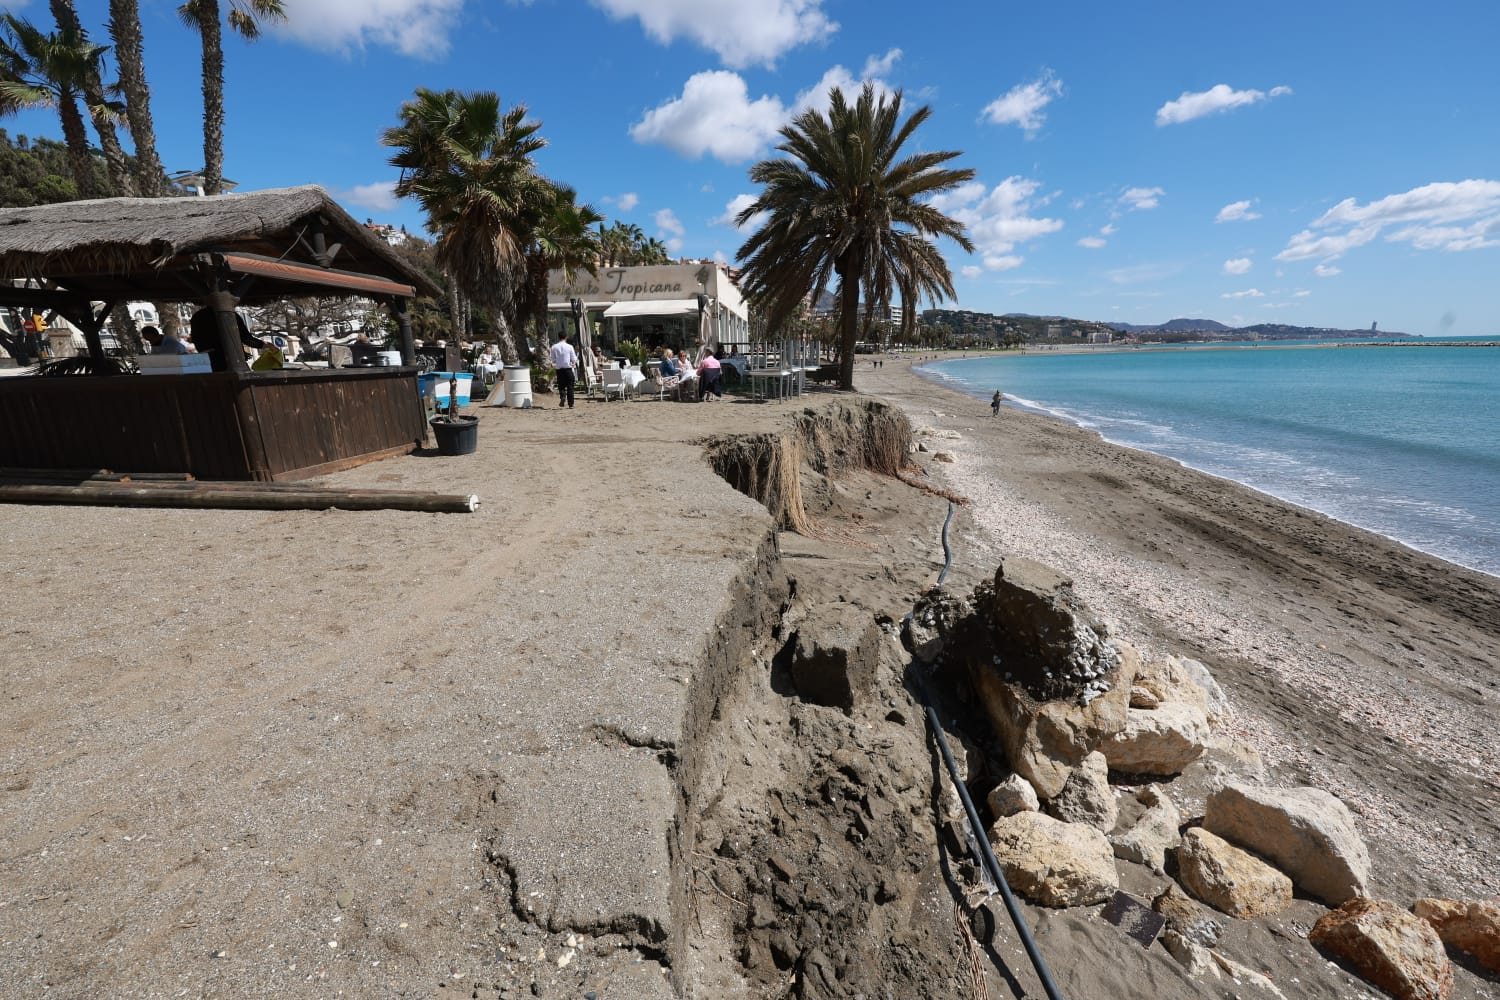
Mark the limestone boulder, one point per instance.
(1197, 960)
(1224, 762)
(1248, 976)
(1188, 917)
(1152, 832)
(1388, 947)
(1229, 879)
(835, 656)
(1307, 832)
(1143, 698)
(1171, 679)
(1473, 927)
(1159, 742)
(1087, 797)
(1013, 795)
(1054, 863)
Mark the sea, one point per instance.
(1400, 440)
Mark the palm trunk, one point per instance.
(76, 136)
(213, 96)
(127, 333)
(66, 17)
(455, 308)
(852, 267)
(125, 29)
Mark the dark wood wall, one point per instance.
(276, 425)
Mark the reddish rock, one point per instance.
(1388, 947)
(1470, 927)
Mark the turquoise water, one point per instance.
(1404, 441)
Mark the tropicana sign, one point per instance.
(627, 284)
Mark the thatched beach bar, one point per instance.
(79, 259)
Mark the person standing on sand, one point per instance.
(995, 403)
(564, 359)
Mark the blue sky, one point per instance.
(1329, 164)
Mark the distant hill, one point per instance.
(1177, 326)
(1022, 327)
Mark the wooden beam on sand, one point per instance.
(234, 496)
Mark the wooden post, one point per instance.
(401, 306)
(222, 302)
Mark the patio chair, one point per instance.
(613, 381)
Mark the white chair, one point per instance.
(613, 381)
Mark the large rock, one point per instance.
(834, 659)
(1192, 956)
(1158, 741)
(1229, 879)
(1152, 833)
(1307, 832)
(1087, 797)
(1471, 927)
(1013, 795)
(1224, 762)
(1179, 680)
(1052, 862)
(937, 615)
(1388, 947)
(1188, 917)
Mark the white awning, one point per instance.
(653, 307)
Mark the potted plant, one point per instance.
(456, 434)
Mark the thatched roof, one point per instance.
(145, 247)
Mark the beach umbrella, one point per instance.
(708, 309)
(585, 349)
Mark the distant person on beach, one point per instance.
(995, 403)
(564, 360)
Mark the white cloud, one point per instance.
(1301, 294)
(714, 115)
(1237, 211)
(1239, 265)
(742, 32)
(675, 244)
(628, 201)
(1107, 230)
(999, 219)
(1249, 293)
(1220, 97)
(378, 197)
(1022, 105)
(732, 211)
(1092, 242)
(1448, 215)
(970, 271)
(1327, 270)
(1140, 199)
(419, 28)
(1138, 273)
(668, 223)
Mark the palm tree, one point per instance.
(560, 237)
(244, 18)
(653, 251)
(469, 166)
(839, 204)
(48, 70)
(101, 111)
(125, 29)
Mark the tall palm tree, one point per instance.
(469, 165)
(561, 237)
(840, 201)
(653, 251)
(245, 17)
(48, 70)
(102, 112)
(125, 30)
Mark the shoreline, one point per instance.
(934, 379)
(1354, 662)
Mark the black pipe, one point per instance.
(987, 856)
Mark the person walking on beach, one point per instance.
(564, 359)
(995, 403)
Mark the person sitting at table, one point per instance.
(684, 366)
(668, 365)
(203, 329)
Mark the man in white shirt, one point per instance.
(564, 360)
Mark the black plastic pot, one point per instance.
(456, 437)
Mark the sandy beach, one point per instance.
(334, 754)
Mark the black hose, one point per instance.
(987, 856)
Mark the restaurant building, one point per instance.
(664, 305)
